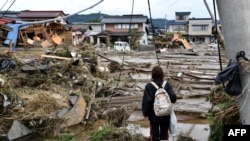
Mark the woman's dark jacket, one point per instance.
(148, 99)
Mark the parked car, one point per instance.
(121, 46)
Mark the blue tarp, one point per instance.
(13, 35)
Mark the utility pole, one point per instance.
(100, 14)
(237, 39)
(165, 23)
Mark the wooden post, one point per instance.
(10, 46)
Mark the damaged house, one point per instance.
(86, 32)
(45, 35)
(3, 28)
(38, 28)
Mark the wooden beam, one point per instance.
(56, 57)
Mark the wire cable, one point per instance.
(123, 59)
(216, 26)
(3, 5)
(174, 3)
(218, 44)
(8, 8)
(153, 32)
(64, 17)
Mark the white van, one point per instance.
(121, 46)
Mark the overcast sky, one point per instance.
(158, 8)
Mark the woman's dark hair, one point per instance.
(157, 73)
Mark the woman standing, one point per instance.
(159, 125)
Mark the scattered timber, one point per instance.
(191, 74)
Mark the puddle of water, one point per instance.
(200, 132)
(138, 129)
(197, 129)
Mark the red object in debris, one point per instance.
(5, 21)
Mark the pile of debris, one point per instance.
(171, 42)
(35, 35)
(41, 35)
(55, 90)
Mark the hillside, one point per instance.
(95, 17)
(82, 18)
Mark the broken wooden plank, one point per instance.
(56, 57)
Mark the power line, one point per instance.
(174, 3)
(64, 17)
(3, 5)
(153, 31)
(123, 58)
(216, 29)
(8, 7)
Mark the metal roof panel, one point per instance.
(40, 14)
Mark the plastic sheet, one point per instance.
(173, 125)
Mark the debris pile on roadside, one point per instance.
(53, 91)
(225, 111)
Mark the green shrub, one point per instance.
(100, 134)
(64, 137)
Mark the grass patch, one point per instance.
(108, 133)
(64, 137)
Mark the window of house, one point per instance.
(134, 25)
(125, 26)
(204, 27)
(181, 17)
(199, 27)
(178, 28)
(118, 26)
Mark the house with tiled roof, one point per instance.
(118, 27)
(31, 16)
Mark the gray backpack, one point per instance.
(162, 103)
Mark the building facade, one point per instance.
(118, 27)
(198, 30)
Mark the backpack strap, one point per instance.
(164, 84)
(156, 86)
